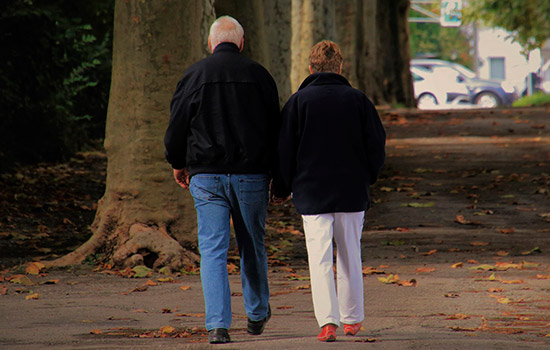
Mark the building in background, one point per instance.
(499, 58)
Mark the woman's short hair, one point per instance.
(226, 29)
(325, 56)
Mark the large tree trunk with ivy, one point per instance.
(144, 217)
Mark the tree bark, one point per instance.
(385, 75)
(144, 217)
(312, 21)
(267, 35)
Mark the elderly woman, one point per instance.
(331, 149)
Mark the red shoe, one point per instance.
(352, 329)
(328, 333)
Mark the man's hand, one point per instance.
(182, 177)
(278, 201)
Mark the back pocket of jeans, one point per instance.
(204, 187)
(253, 190)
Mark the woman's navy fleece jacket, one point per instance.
(331, 147)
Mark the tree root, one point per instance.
(154, 240)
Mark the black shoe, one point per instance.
(257, 327)
(218, 336)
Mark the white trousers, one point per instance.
(346, 305)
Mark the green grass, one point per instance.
(537, 99)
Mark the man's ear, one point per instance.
(340, 69)
(241, 47)
(210, 44)
(310, 70)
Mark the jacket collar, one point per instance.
(324, 78)
(226, 47)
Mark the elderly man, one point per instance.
(221, 142)
(331, 149)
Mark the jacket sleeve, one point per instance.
(274, 124)
(288, 146)
(375, 144)
(175, 139)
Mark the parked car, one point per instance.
(483, 93)
(439, 88)
(544, 77)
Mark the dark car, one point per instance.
(483, 93)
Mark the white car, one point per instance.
(439, 88)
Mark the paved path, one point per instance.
(487, 175)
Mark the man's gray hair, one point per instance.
(226, 29)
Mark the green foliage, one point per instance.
(55, 77)
(528, 21)
(537, 99)
(446, 43)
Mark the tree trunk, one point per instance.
(267, 30)
(385, 75)
(312, 21)
(144, 217)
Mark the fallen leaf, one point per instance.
(370, 340)
(528, 265)
(3, 290)
(191, 315)
(232, 268)
(512, 281)
(457, 265)
(151, 283)
(484, 267)
(425, 269)
(458, 317)
(390, 279)
(452, 295)
(461, 220)
(507, 230)
(408, 283)
(185, 287)
(471, 261)
(403, 229)
(167, 330)
(285, 307)
(478, 243)
(495, 290)
(418, 205)
(56, 281)
(34, 268)
(532, 251)
(166, 279)
(21, 279)
(431, 252)
(504, 300)
(393, 243)
(96, 331)
(33, 296)
(141, 271)
(502, 253)
(369, 270)
(463, 329)
(142, 288)
(543, 277)
(296, 277)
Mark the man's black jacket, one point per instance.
(331, 147)
(224, 116)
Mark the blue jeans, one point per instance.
(244, 198)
